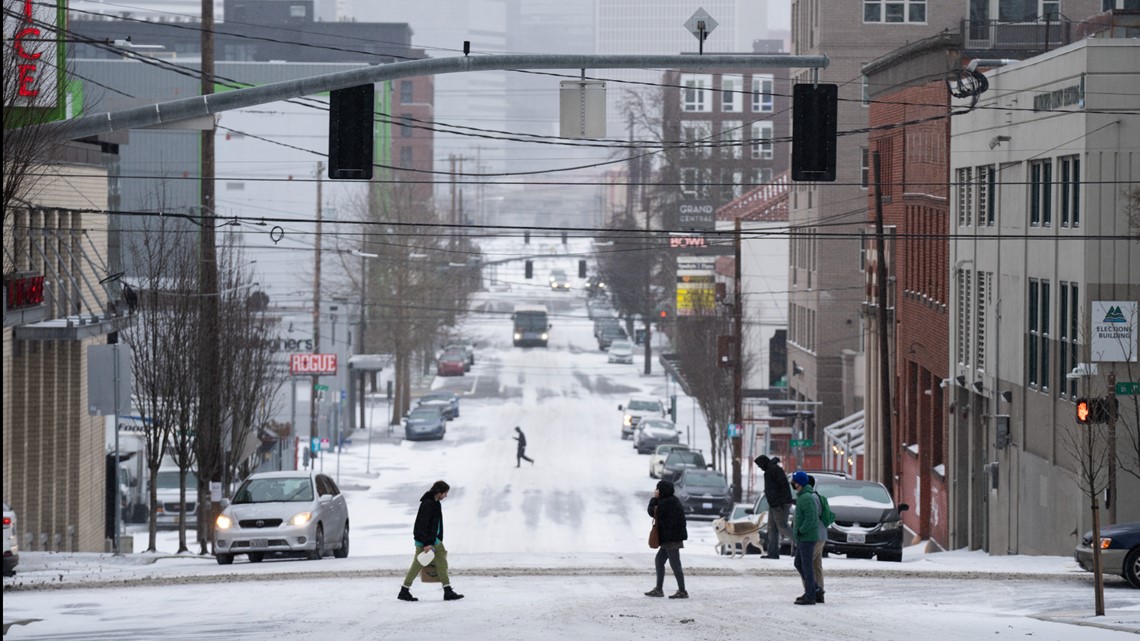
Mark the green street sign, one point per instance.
(320, 388)
(802, 442)
(1127, 388)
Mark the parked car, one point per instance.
(467, 349)
(759, 511)
(423, 423)
(451, 364)
(11, 542)
(168, 512)
(461, 352)
(604, 322)
(609, 335)
(637, 408)
(652, 432)
(741, 514)
(285, 514)
(680, 460)
(1119, 551)
(621, 352)
(657, 459)
(447, 402)
(704, 493)
(600, 308)
(867, 521)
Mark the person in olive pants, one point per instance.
(428, 533)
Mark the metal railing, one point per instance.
(1042, 34)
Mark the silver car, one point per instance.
(283, 513)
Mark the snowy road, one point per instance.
(550, 551)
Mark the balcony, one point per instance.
(1036, 36)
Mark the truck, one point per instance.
(531, 325)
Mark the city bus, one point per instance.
(531, 326)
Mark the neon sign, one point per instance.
(30, 36)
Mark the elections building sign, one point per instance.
(1113, 337)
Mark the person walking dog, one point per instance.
(666, 508)
(779, 503)
(520, 455)
(428, 534)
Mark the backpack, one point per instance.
(825, 513)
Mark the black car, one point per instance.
(867, 521)
(610, 334)
(704, 493)
(680, 460)
(1119, 551)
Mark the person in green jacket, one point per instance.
(806, 531)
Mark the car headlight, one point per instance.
(301, 518)
(518, 336)
(628, 420)
(224, 522)
(890, 526)
(544, 337)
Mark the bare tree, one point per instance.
(695, 343)
(162, 364)
(1132, 210)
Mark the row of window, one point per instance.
(698, 138)
(697, 93)
(801, 326)
(696, 182)
(1039, 314)
(1049, 192)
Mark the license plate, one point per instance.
(259, 543)
(856, 538)
(707, 506)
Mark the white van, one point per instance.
(169, 512)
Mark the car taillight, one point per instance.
(7, 521)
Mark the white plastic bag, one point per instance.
(426, 557)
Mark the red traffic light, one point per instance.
(1083, 411)
(663, 314)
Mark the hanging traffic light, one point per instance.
(564, 236)
(351, 118)
(526, 237)
(581, 269)
(530, 269)
(1083, 411)
(815, 111)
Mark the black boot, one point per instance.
(406, 595)
(450, 595)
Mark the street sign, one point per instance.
(733, 430)
(321, 388)
(315, 444)
(1128, 388)
(802, 442)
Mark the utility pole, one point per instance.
(737, 364)
(1110, 498)
(314, 427)
(884, 347)
(209, 411)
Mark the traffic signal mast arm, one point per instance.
(205, 105)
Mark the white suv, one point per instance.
(11, 549)
(637, 408)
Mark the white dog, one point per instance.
(732, 536)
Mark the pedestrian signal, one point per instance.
(1083, 411)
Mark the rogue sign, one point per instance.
(312, 364)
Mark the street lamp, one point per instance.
(364, 256)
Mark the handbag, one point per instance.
(654, 533)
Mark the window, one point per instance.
(965, 197)
(1041, 193)
(761, 140)
(694, 182)
(894, 10)
(406, 156)
(406, 87)
(406, 126)
(1038, 317)
(986, 195)
(1070, 191)
(1034, 333)
(1067, 336)
(697, 136)
(695, 92)
(866, 102)
(730, 138)
(864, 167)
(297, 11)
(964, 332)
(762, 93)
(985, 280)
(731, 97)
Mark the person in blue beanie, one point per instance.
(806, 531)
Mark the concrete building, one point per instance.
(1040, 235)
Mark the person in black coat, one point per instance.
(428, 535)
(779, 494)
(666, 508)
(520, 455)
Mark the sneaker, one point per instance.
(451, 595)
(679, 594)
(655, 592)
(774, 557)
(406, 595)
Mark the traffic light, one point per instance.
(581, 269)
(1083, 411)
(815, 110)
(350, 132)
(526, 239)
(530, 269)
(1100, 409)
(563, 238)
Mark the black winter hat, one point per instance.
(665, 488)
(762, 462)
